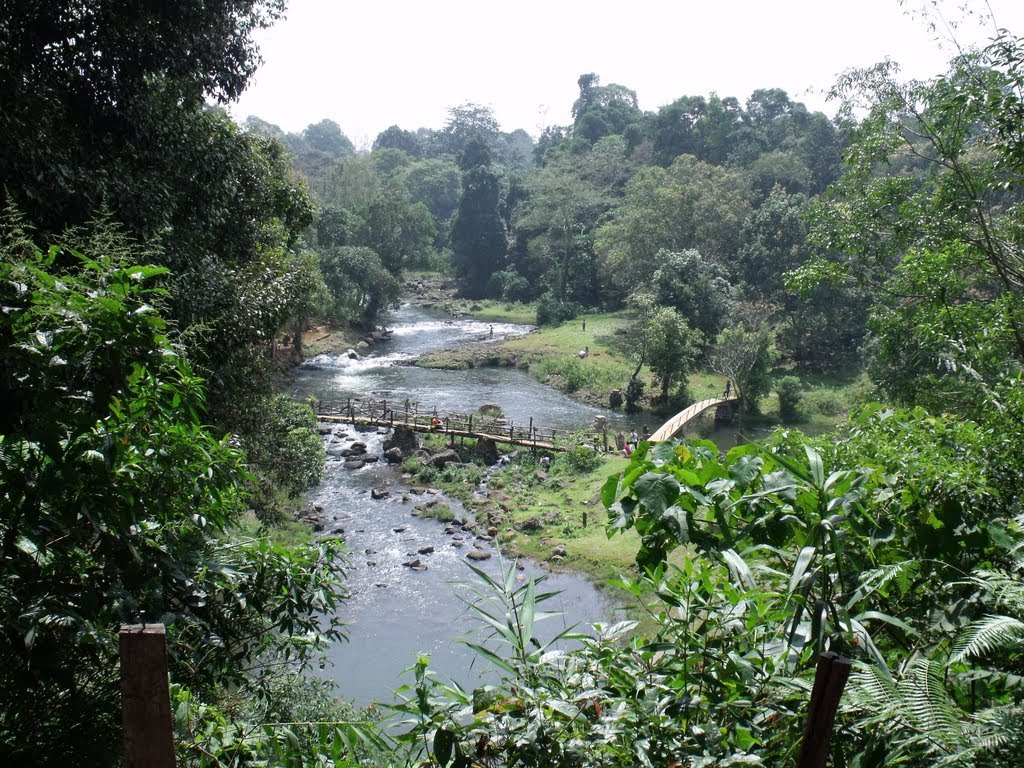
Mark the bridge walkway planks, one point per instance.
(685, 416)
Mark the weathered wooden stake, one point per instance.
(145, 697)
(829, 680)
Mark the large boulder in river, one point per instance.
(487, 450)
(445, 457)
(478, 554)
(404, 439)
(394, 455)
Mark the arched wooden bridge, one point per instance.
(684, 417)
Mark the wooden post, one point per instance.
(145, 697)
(829, 680)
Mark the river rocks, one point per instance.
(425, 550)
(491, 409)
(309, 513)
(380, 492)
(478, 554)
(362, 345)
(369, 458)
(457, 543)
(394, 455)
(451, 530)
(492, 531)
(351, 354)
(326, 429)
(558, 551)
(530, 524)
(400, 529)
(358, 447)
(422, 455)
(445, 457)
(415, 565)
(402, 438)
(353, 464)
(369, 551)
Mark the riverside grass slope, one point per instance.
(551, 355)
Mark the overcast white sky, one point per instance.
(375, 63)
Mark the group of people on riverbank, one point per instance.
(628, 446)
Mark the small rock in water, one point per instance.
(381, 584)
(400, 529)
(353, 464)
(416, 565)
(380, 492)
(478, 554)
(457, 543)
(369, 551)
(425, 550)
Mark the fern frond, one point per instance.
(987, 635)
(1002, 588)
(929, 702)
(901, 574)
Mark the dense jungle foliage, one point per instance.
(153, 253)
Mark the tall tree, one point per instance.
(671, 347)
(479, 241)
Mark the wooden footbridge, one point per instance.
(685, 416)
(411, 415)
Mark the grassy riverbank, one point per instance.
(553, 514)
(551, 354)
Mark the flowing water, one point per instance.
(395, 612)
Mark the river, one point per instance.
(394, 612)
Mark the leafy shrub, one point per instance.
(825, 402)
(552, 311)
(509, 285)
(580, 459)
(790, 392)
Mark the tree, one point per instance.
(396, 138)
(438, 185)
(603, 110)
(932, 185)
(559, 218)
(691, 205)
(478, 233)
(746, 357)
(117, 505)
(326, 137)
(464, 122)
(360, 284)
(671, 347)
(696, 287)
